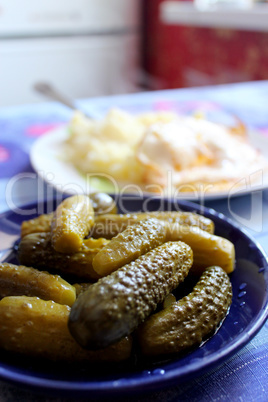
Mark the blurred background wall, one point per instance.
(99, 47)
(205, 47)
(83, 47)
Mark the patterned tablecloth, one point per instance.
(244, 377)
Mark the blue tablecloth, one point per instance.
(244, 377)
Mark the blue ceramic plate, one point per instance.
(247, 314)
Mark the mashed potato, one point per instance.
(109, 146)
(156, 150)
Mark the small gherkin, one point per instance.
(190, 320)
(114, 306)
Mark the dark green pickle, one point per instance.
(36, 250)
(114, 306)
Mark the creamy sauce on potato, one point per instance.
(154, 148)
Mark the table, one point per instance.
(244, 377)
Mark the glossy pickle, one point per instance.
(36, 250)
(18, 280)
(109, 225)
(187, 322)
(128, 245)
(114, 306)
(71, 223)
(38, 328)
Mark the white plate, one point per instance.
(46, 160)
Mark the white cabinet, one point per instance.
(85, 48)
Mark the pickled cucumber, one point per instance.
(81, 287)
(187, 322)
(101, 203)
(35, 250)
(208, 248)
(114, 306)
(20, 280)
(109, 225)
(134, 241)
(71, 223)
(35, 327)
(41, 223)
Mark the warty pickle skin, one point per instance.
(36, 250)
(114, 306)
(190, 320)
(101, 203)
(71, 223)
(109, 225)
(134, 241)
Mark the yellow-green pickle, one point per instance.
(109, 225)
(18, 280)
(36, 250)
(102, 204)
(41, 223)
(208, 248)
(147, 234)
(38, 328)
(187, 322)
(134, 241)
(71, 223)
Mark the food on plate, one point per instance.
(162, 152)
(102, 203)
(117, 287)
(71, 223)
(20, 280)
(190, 320)
(208, 248)
(114, 306)
(109, 225)
(135, 240)
(81, 287)
(42, 223)
(108, 145)
(36, 250)
(35, 327)
(142, 236)
(169, 299)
